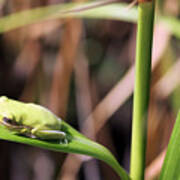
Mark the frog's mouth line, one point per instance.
(9, 123)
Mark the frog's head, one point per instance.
(3, 99)
(6, 116)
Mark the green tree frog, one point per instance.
(30, 120)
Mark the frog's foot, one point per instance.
(49, 134)
(64, 141)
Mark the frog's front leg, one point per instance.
(48, 134)
(16, 128)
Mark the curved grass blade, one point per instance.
(171, 165)
(116, 11)
(77, 143)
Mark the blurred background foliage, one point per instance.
(83, 70)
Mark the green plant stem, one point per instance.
(142, 86)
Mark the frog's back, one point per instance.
(42, 116)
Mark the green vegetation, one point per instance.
(78, 143)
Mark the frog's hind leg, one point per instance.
(49, 134)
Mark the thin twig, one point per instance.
(153, 170)
(91, 6)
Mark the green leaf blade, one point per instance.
(171, 166)
(78, 144)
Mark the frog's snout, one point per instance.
(3, 99)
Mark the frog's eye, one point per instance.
(9, 121)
